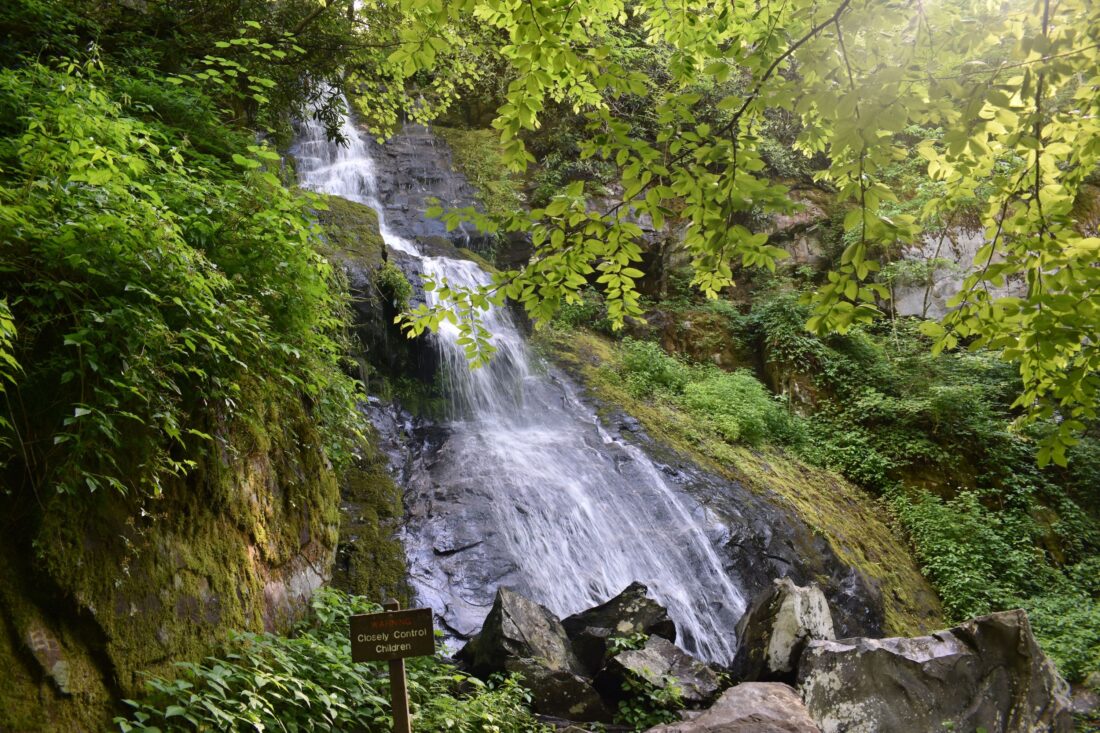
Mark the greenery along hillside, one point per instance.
(174, 411)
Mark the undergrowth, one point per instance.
(306, 681)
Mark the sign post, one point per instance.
(391, 636)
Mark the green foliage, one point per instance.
(634, 641)
(648, 704)
(393, 284)
(1067, 623)
(735, 405)
(148, 285)
(648, 369)
(589, 311)
(739, 406)
(307, 682)
(983, 560)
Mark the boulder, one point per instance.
(518, 628)
(987, 673)
(780, 622)
(751, 707)
(658, 662)
(523, 637)
(630, 612)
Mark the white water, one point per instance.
(577, 514)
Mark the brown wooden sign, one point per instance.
(377, 637)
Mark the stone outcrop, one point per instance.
(659, 663)
(521, 636)
(751, 707)
(987, 673)
(630, 612)
(778, 625)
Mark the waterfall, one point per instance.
(528, 489)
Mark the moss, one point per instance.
(472, 256)
(476, 154)
(130, 587)
(351, 230)
(371, 560)
(859, 529)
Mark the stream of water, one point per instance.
(529, 490)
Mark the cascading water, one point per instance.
(526, 489)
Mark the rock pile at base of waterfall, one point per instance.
(572, 668)
(986, 673)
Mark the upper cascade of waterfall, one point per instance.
(345, 170)
(528, 487)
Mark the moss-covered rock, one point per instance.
(854, 526)
(370, 560)
(99, 589)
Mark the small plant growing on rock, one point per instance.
(648, 704)
(394, 285)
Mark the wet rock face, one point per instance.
(630, 612)
(414, 167)
(761, 540)
(987, 673)
(751, 707)
(773, 634)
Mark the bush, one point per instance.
(591, 313)
(739, 406)
(307, 682)
(648, 369)
(1067, 624)
(393, 284)
(980, 560)
(150, 288)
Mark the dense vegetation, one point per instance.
(307, 682)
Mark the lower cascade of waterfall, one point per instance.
(523, 487)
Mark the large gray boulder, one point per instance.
(987, 673)
(630, 612)
(659, 662)
(751, 707)
(523, 637)
(780, 622)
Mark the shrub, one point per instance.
(979, 560)
(1067, 624)
(739, 406)
(591, 313)
(393, 284)
(648, 369)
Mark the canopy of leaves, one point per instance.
(1002, 97)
